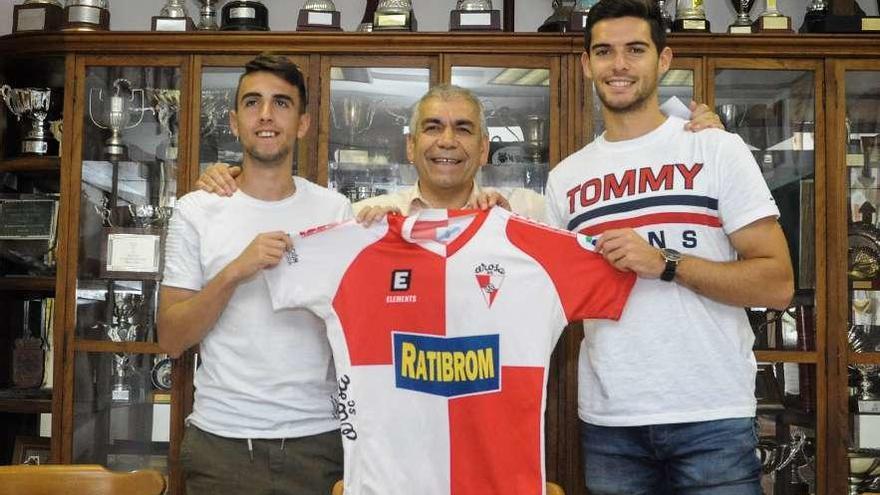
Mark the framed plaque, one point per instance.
(132, 253)
(28, 219)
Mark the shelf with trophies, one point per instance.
(772, 106)
(858, 147)
(369, 109)
(130, 120)
(31, 101)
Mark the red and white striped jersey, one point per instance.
(442, 325)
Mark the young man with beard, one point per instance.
(262, 419)
(666, 394)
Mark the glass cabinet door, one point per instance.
(128, 159)
(516, 102)
(369, 110)
(860, 144)
(773, 109)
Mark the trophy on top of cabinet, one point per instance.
(207, 16)
(37, 15)
(394, 15)
(118, 114)
(319, 15)
(474, 15)
(366, 24)
(86, 15)
(664, 16)
(244, 15)
(814, 19)
(690, 17)
(173, 17)
(743, 23)
(559, 19)
(33, 103)
(772, 20)
(578, 20)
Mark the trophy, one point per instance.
(690, 17)
(814, 19)
(666, 19)
(318, 15)
(86, 15)
(37, 15)
(356, 118)
(578, 20)
(743, 23)
(366, 24)
(118, 115)
(123, 329)
(207, 16)
(244, 15)
(173, 17)
(474, 15)
(166, 106)
(535, 138)
(34, 104)
(559, 19)
(772, 20)
(394, 15)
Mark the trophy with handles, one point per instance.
(118, 112)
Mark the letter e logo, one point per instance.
(400, 280)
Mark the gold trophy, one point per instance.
(772, 20)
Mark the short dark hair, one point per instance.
(282, 67)
(646, 10)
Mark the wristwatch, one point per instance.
(672, 258)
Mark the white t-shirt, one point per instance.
(675, 356)
(442, 325)
(263, 374)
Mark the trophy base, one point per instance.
(36, 17)
(397, 21)
(34, 147)
(577, 23)
(737, 29)
(85, 18)
(116, 151)
(310, 20)
(244, 15)
(470, 20)
(160, 23)
(820, 22)
(772, 24)
(690, 26)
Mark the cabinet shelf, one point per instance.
(27, 284)
(31, 164)
(25, 401)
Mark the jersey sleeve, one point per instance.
(588, 287)
(743, 193)
(309, 274)
(183, 264)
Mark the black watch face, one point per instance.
(161, 375)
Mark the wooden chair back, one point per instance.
(552, 489)
(78, 479)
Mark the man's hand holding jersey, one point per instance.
(265, 251)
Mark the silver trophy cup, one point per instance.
(474, 5)
(208, 15)
(174, 8)
(117, 114)
(33, 104)
(356, 116)
(742, 8)
(319, 5)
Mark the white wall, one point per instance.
(433, 15)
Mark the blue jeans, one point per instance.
(703, 458)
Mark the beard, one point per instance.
(258, 156)
(639, 102)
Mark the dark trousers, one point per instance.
(214, 465)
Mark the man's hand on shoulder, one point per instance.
(627, 251)
(219, 179)
(369, 215)
(265, 251)
(702, 118)
(487, 199)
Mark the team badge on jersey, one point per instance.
(448, 367)
(490, 276)
(587, 242)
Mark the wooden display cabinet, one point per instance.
(789, 96)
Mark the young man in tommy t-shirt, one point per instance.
(262, 420)
(666, 394)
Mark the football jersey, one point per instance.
(442, 325)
